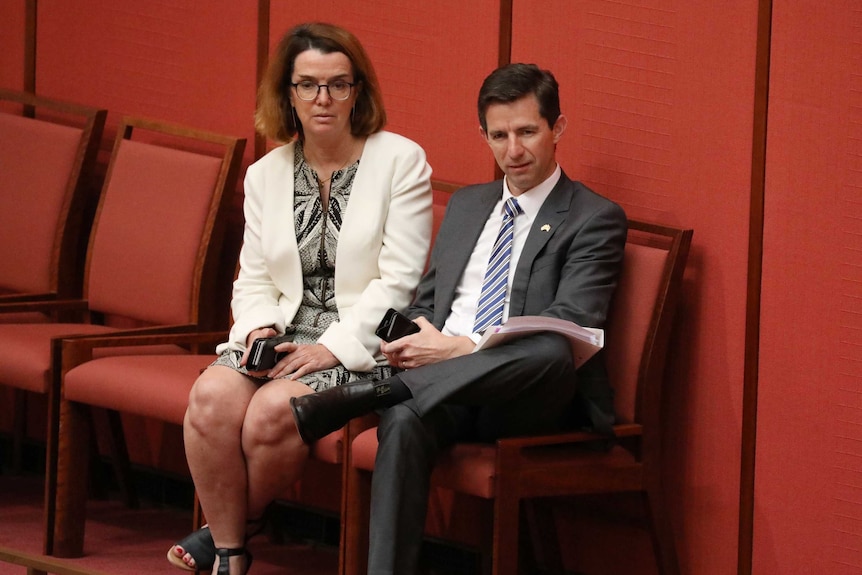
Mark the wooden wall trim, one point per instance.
(753, 293)
(504, 46)
(504, 49)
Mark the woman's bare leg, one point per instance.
(274, 453)
(212, 433)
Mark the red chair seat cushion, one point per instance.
(156, 387)
(466, 467)
(27, 347)
(330, 448)
(471, 467)
(145, 385)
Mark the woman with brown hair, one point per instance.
(359, 201)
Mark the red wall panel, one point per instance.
(185, 61)
(430, 58)
(12, 14)
(808, 489)
(659, 97)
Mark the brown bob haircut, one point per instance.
(274, 116)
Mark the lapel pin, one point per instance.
(546, 228)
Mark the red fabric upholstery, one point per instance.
(137, 384)
(329, 449)
(155, 385)
(32, 198)
(30, 345)
(468, 466)
(629, 322)
(155, 201)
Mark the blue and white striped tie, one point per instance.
(490, 308)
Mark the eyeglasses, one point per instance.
(307, 90)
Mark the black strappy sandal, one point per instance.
(224, 556)
(199, 544)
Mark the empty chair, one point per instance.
(151, 261)
(47, 155)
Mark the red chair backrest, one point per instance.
(41, 165)
(639, 310)
(153, 230)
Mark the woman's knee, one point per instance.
(269, 419)
(218, 397)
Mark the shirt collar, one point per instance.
(531, 200)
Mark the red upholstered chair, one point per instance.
(152, 257)
(47, 154)
(521, 469)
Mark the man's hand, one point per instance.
(426, 347)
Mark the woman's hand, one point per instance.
(302, 359)
(256, 334)
(426, 347)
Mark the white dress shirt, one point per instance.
(463, 313)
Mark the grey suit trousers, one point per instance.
(522, 387)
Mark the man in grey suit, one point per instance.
(564, 254)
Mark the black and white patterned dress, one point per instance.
(317, 231)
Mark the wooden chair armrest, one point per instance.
(78, 349)
(176, 335)
(27, 297)
(43, 306)
(622, 430)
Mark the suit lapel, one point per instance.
(466, 227)
(552, 214)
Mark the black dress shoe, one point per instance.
(319, 414)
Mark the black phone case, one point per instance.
(395, 325)
(263, 355)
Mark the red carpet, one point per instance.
(121, 541)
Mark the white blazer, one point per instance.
(382, 248)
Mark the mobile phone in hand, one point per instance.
(395, 325)
(263, 355)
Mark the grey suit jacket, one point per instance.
(568, 269)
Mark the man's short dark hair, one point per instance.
(515, 81)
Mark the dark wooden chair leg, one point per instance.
(120, 459)
(19, 431)
(506, 534)
(98, 485)
(72, 480)
(544, 546)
